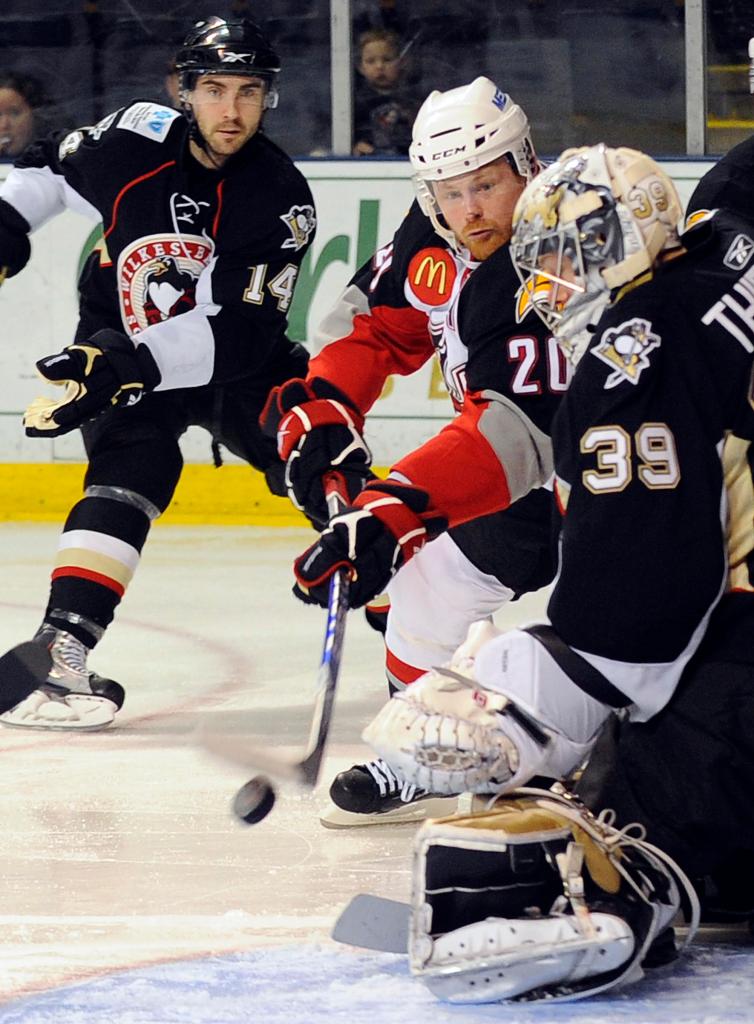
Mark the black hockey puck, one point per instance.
(254, 800)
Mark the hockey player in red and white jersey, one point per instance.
(651, 616)
(182, 322)
(444, 285)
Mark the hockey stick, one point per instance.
(306, 770)
(381, 924)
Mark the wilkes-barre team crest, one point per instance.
(157, 277)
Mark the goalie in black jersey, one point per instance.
(182, 322)
(651, 620)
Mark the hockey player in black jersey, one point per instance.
(443, 286)
(182, 321)
(651, 625)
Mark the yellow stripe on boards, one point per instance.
(232, 495)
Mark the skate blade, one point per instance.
(432, 807)
(84, 712)
(37, 727)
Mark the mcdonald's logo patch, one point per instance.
(431, 275)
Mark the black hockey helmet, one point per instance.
(227, 47)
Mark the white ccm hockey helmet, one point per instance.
(462, 129)
(590, 223)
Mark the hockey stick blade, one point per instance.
(22, 670)
(374, 922)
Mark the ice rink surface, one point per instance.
(130, 894)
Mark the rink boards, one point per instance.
(359, 205)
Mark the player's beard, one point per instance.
(212, 147)
(222, 145)
(483, 247)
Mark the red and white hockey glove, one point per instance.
(317, 431)
(102, 373)
(385, 526)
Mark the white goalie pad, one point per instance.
(499, 714)
(448, 734)
(499, 959)
(446, 738)
(538, 899)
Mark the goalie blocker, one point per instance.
(537, 899)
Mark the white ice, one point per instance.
(130, 894)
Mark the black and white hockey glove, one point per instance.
(106, 372)
(317, 431)
(384, 527)
(15, 247)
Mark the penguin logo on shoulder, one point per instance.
(626, 349)
(301, 222)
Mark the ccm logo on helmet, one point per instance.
(444, 153)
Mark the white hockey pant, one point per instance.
(434, 599)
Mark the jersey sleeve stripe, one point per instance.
(216, 221)
(129, 185)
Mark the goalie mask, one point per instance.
(461, 130)
(589, 224)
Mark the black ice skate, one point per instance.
(71, 697)
(372, 794)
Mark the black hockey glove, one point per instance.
(384, 527)
(15, 247)
(317, 431)
(105, 372)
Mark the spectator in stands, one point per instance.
(384, 104)
(380, 14)
(21, 97)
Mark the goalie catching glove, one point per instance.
(317, 430)
(105, 372)
(387, 523)
(538, 899)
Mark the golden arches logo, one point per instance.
(435, 267)
(431, 274)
